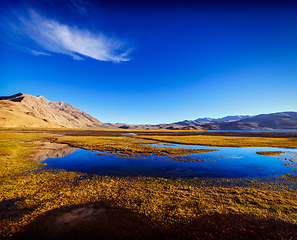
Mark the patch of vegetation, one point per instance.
(270, 153)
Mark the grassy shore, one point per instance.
(31, 198)
(223, 141)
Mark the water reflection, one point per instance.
(51, 150)
(227, 162)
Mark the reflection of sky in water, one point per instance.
(227, 162)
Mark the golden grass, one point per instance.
(223, 141)
(165, 201)
(6, 135)
(270, 153)
(14, 155)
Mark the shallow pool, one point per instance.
(226, 162)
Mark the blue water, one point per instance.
(226, 162)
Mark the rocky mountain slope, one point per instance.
(24, 110)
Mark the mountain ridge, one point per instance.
(50, 113)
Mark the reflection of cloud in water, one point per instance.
(235, 156)
(51, 150)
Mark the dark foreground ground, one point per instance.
(117, 223)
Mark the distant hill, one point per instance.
(24, 110)
(272, 121)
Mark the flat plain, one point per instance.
(39, 202)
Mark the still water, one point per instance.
(226, 162)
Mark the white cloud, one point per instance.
(60, 38)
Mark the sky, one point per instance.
(150, 62)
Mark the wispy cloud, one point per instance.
(38, 53)
(55, 37)
(80, 5)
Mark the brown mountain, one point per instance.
(272, 121)
(24, 110)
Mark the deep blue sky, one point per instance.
(151, 62)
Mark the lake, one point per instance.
(226, 162)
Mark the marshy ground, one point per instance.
(37, 203)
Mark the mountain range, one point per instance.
(24, 110)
